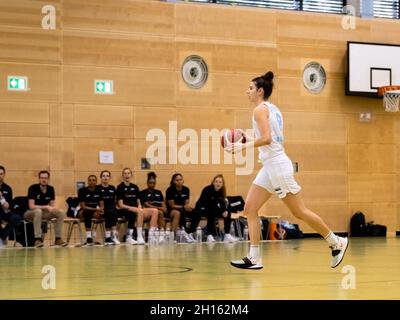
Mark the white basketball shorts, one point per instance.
(277, 177)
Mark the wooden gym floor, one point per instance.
(293, 269)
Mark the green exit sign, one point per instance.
(17, 83)
(103, 86)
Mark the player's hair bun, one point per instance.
(269, 76)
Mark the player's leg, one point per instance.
(256, 197)
(297, 207)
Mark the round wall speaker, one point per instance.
(314, 77)
(194, 71)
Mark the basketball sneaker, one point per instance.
(130, 240)
(228, 238)
(89, 242)
(210, 239)
(115, 240)
(247, 263)
(109, 242)
(338, 251)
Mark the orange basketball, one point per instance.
(232, 136)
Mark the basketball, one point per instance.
(232, 136)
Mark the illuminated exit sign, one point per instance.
(103, 86)
(17, 83)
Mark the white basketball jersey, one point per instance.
(275, 148)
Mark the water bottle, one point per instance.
(171, 237)
(246, 233)
(161, 240)
(182, 235)
(232, 230)
(179, 235)
(157, 236)
(199, 234)
(151, 240)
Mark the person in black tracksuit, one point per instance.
(129, 204)
(178, 196)
(91, 206)
(8, 219)
(213, 204)
(153, 198)
(108, 192)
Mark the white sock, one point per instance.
(139, 233)
(88, 234)
(332, 239)
(152, 229)
(115, 233)
(130, 233)
(94, 234)
(108, 234)
(255, 252)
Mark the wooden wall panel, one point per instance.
(377, 158)
(318, 157)
(315, 29)
(20, 179)
(61, 120)
(90, 48)
(314, 127)
(226, 23)
(224, 91)
(35, 46)
(131, 86)
(86, 153)
(24, 130)
(44, 82)
(232, 57)
(25, 153)
(148, 118)
(371, 187)
(379, 130)
(119, 16)
(27, 13)
(103, 115)
(61, 154)
(24, 112)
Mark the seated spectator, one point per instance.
(91, 207)
(8, 219)
(107, 192)
(41, 199)
(128, 202)
(178, 198)
(213, 205)
(153, 198)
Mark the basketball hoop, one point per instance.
(391, 97)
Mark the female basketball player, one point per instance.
(276, 176)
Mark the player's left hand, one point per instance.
(235, 147)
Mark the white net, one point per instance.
(391, 100)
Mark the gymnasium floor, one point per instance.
(293, 269)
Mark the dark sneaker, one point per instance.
(89, 242)
(109, 242)
(247, 263)
(60, 242)
(338, 251)
(38, 243)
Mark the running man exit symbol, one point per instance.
(17, 83)
(103, 87)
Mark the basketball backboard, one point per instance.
(370, 66)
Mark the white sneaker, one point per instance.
(186, 237)
(338, 251)
(210, 238)
(130, 240)
(247, 263)
(140, 240)
(191, 237)
(115, 239)
(229, 238)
